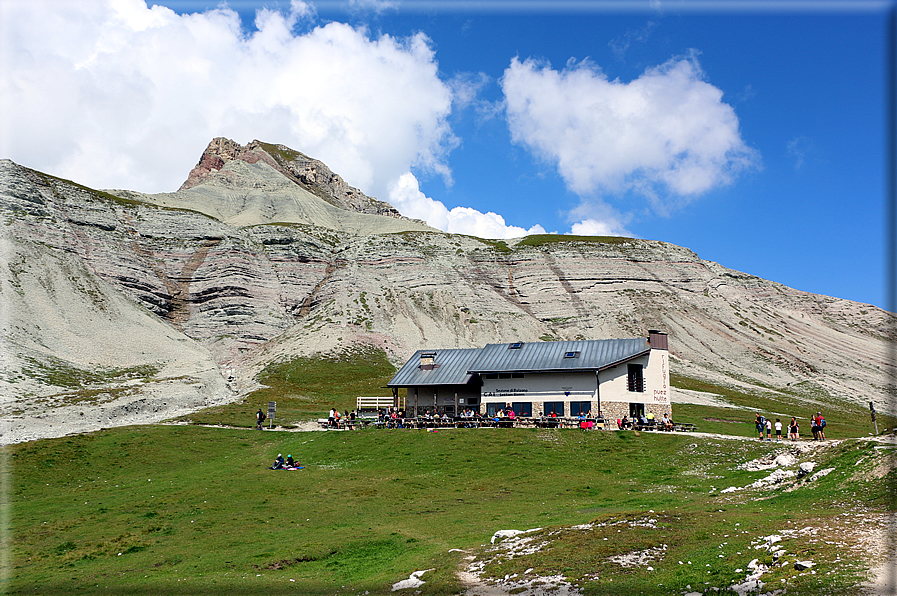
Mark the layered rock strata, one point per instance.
(245, 265)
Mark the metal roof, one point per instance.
(596, 354)
(457, 366)
(451, 368)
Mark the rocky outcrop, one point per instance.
(245, 267)
(308, 173)
(78, 353)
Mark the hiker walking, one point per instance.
(259, 418)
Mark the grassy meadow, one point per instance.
(190, 509)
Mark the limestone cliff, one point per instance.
(157, 304)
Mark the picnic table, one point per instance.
(344, 423)
(568, 422)
(422, 422)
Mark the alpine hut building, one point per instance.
(616, 377)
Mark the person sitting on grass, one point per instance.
(290, 463)
(278, 463)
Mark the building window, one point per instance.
(636, 410)
(516, 345)
(635, 380)
(516, 375)
(580, 407)
(556, 407)
(523, 408)
(571, 355)
(493, 408)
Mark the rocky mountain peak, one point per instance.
(219, 151)
(308, 173)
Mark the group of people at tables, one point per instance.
(469, 418)
(395, 418)
(645, 421)
(344, 420)
(506, 417)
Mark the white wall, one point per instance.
(657, 378)
(541, 387)
(656, 372)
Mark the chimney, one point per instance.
(657, 340)
(428, 360)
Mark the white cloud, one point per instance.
(406, 196)
(467, 86)
(667, 135)
(593, 227)
(597, 218)
(118, 95)
(620, 45)
(799, 148)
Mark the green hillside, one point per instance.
(192, 510)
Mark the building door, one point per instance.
(636, 410)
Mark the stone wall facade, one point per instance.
(614, 411)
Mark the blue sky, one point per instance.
(750, 133)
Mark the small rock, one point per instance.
(820, 474)
(802, 565)
(806, 468)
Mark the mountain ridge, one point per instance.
(217, 267)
